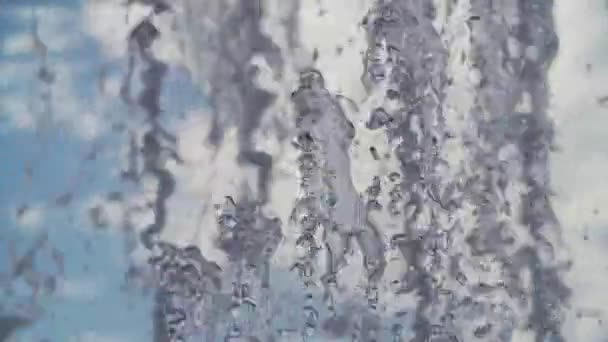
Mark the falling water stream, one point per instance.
(468, 244)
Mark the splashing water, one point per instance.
(451, 239)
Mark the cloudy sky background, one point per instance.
(70, 147)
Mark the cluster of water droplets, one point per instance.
(407, 61)
(331, 215)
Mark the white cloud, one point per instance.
(106, 21)
(56, 27)
(67, 112)
(29, 217)
(22, 106)
(19, 43)
(25, 110)
(23, 120)
(94, 336)
(14, 107)
(112, 86)
(89, 126)
(11, 71)
(18, 114)
(32, 218)
(85, 289)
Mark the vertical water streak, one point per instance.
(328, 199)
(458, 107)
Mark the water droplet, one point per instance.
(378, 118)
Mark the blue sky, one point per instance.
(89, 304)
